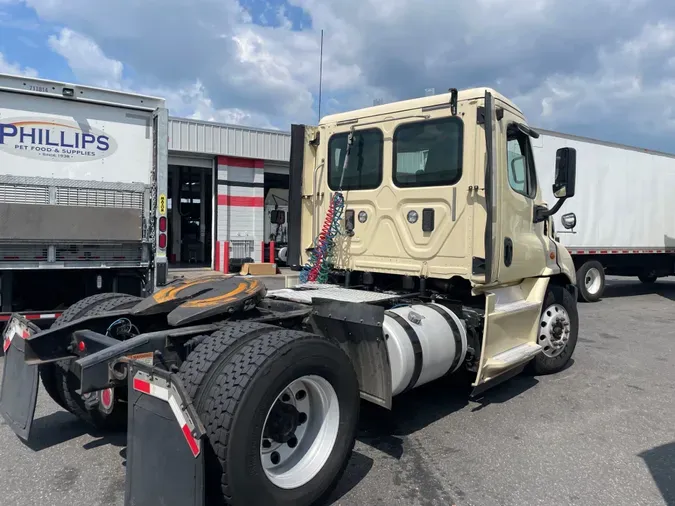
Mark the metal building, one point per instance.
(224, 181)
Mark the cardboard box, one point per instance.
(258, 269)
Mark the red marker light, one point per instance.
(81, 346)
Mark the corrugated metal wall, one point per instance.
(213, 138)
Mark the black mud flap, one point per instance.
(165, 441)
(18, 392)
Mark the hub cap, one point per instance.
(592, 281)
(300, 432)
(554, 330)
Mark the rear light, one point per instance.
(162, 241)
(81, 346)
(162, 224)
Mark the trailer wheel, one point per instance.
(111, 415)
(558, 331)
(591, 281)
(281, 416)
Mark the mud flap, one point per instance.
(165, 440)
(18, 392)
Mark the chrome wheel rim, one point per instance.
(593, 280)
(300, 432)
(554, 330)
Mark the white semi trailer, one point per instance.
(624, 207)
(82, 194)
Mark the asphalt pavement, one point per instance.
(602, 432)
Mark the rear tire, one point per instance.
(234, 400)
(591, 281)
(648, 279)
(558, 331)
(61, 384)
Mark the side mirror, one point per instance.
(278, 217)
(565, 172)
(569, 220)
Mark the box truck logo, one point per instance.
(57, 140)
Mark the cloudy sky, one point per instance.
(602, 68)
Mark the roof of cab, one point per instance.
(415, 103)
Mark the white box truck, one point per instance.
(624, 208)
(83, 174)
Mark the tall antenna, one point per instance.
(320, 74)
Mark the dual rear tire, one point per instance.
(280, 408)
(110, 412)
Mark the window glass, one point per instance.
(364, 169)
(520, 165)
(428, 153)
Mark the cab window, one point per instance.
(364, 169)
(428, 153)
(520, 163)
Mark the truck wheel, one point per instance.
(110, 415)
(281, 413)
(77, 310)
(204, 351)
(591, 281)
(558, 331)
(648, 279)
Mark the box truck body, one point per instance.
(624, 207)
(82, 192)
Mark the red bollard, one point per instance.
(216, 257)
(226, 257)
(271, 252)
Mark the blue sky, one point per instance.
(604, 69)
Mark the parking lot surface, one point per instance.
(602, 432)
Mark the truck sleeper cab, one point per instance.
(441, 259)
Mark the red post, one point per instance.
(262, 252)
(216, 257)
(271, 252)
(226, 257)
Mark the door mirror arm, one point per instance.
(543, 212)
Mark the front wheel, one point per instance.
(591, 281)
(558, 331)
(281, 415)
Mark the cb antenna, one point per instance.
(320, 73)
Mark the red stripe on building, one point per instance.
(234, 201)
(250, 163)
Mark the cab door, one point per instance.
(523, 244)
(515, 247)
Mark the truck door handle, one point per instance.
(508, 251)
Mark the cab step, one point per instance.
(512, 357)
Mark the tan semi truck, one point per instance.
(425, 249)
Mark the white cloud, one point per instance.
(570, 64)
(86, 59)
(7, 67)
(626, 88)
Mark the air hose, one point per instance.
(319, 265)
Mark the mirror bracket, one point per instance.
(543, 212)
